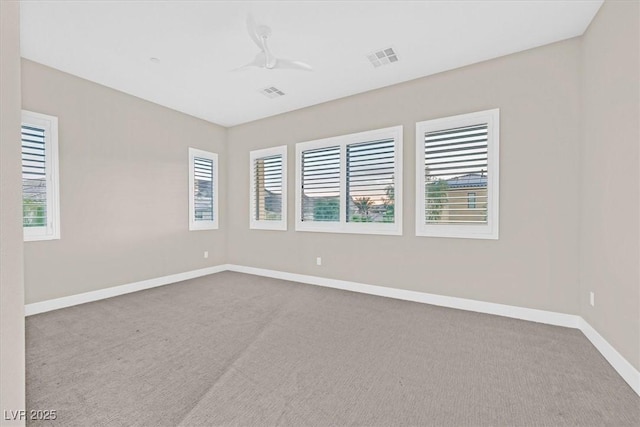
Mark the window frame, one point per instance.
(467, 231)
(343, 226)
(278, 225)
(50, 125)
(203, 225)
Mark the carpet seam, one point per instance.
(238, 355)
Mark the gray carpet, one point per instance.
(235, 349)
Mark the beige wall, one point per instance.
(610, 254)
(12, 392)
(123, 188)
(535, 262)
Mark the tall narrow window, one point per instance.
(457, 176)
(268, 196)
(40, 192)
(350, 183)
(203, 190)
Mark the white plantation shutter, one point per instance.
(268, 185)
(321, 184)
(370, 183)
(350, 183)
(455, 162)
(268, 196)
(203, 189)
(203, 176)
(457, 176)
(40, 213)
(34, 177)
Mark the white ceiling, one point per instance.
(199, 43)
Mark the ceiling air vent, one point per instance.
(272, 92)
(383, 57)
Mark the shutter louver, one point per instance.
(321, 184)
(267, 199)
(34, 177)
(203, 189)
(370, 181)
(456, 163)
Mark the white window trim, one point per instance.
(50, 126)
(202, 225)
(484, 231)
(343, 226)
(264, 224)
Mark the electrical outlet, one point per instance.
(318, 261)
(206, 254)
(592, 299)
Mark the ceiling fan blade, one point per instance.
(252, 28)
(293, 65)
(265, 59)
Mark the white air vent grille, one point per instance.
(272, 92)
(383, 57)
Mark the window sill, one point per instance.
(375, 229)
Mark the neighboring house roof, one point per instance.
(469, 180)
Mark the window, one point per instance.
(40, 192)
(203, 190)
(350, 183)
(457, 176)
(471, 200)
(268, 198)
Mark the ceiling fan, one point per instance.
(265, 59)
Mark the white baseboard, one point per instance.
(55, 304)
(534, 315)
(615, 359)
(619, 363)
